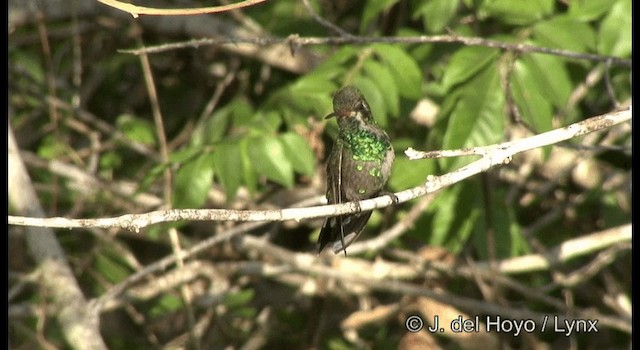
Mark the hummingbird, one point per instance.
(358, 167)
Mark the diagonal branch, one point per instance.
(79, 323)
(493, 155)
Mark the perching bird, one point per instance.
(357, 168)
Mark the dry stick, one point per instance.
(79, 323)
(492, 156)
(135, 10)
(104, 127)
(89, 183)
(168, 261)
(565, 251)
(307, 264)
(294, 261)
(395, 231)
(185, 291)
(323, 21)
(296, 41)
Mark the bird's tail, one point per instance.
(341, 231)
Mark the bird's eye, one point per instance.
(364, 106)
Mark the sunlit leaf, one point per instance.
(564, 32)
(373, 95)
(269, 159)
(589, 10)
(516, 12)
(192, 182)
(137, 129)
(299, 152)
(227, 159)
(478, 117)
(383, 78)
(614, 37)
(465, 63)
(405, 70)
(550, 76)
(534, 108)
(436, 14)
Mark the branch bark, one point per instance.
(491, 156)
(80, 323)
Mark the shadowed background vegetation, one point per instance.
(244, 129)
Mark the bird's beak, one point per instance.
(331, 115)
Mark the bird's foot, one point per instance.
(391, 195)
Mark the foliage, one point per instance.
(243, 132)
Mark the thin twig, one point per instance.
(185, 291)
(360, 40)
(301, 262)
(324, 22)
(135, 10)
(499, 154)
(566, 251)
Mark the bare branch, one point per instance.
(495, 155)
(360, 40)
(136, 11)
(376, 281)
(79, 323)
(566, 251)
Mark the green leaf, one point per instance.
(465, 63)
(166, 304)
(533, 106)
(238, 299)
(183, 155)
(477, 118)
(242, 114)
(589, 10)
(269, 159)
(313, 93)
(614, 37)
(52, 147)
(383, 79)
(405, 70)
(111, 268)
(455, 213)
(508, 240)
(436, 13)
(334, 66)
(311, 84)
(29, 63)
(551, 77)
(137, 129)
(299, 152)
(269, 121)
(227, 160)
(408, 173)
(215, 127)
(372, 9)
(110, 160)
(249, 172)
(564, 32)
(373, 95)
(516, 12)
(150, 177)
(192, 182)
